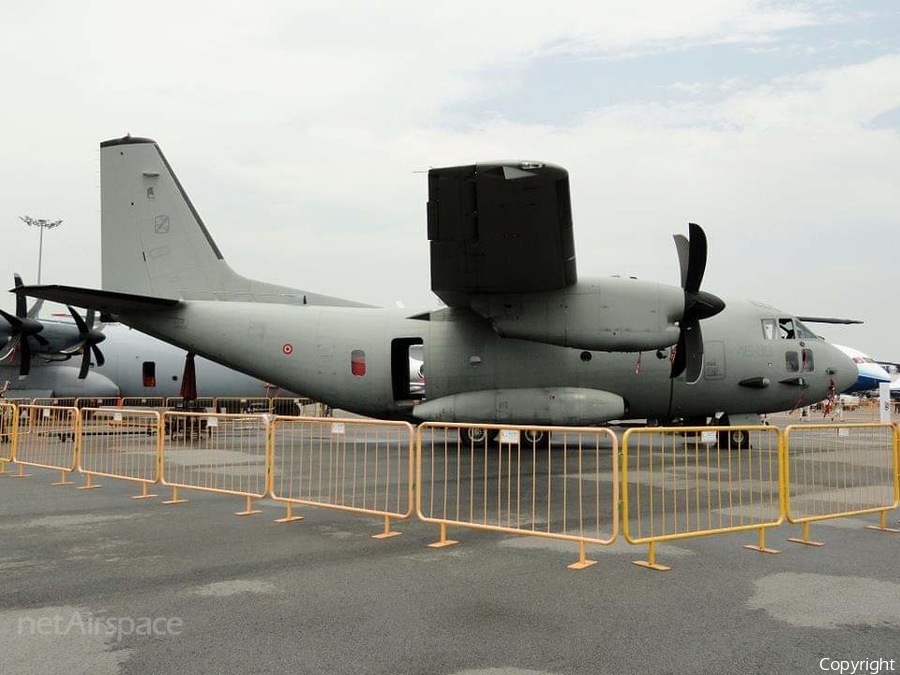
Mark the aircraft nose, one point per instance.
(845, 370)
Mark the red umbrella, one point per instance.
(189, 379)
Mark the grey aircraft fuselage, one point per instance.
(312, 348)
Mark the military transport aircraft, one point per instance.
(522, 339)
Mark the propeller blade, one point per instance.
(21, 309)
(24, 358)
(85, 364)
(697, 259)
(683, 246)
(693, 351)
(14, 321)
(680, 362)
(98, 355)
(41, 339)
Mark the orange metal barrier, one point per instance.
(214, 452)
(9, 422)
(143, 402)
(695, 481)
(95, 402)
(47, 438)
(244, 405)
(552, 482)
(838, 470)
(202, 402)
(120, 443)
(356, 465)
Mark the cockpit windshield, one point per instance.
(804, 333)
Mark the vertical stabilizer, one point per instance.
(154, 242)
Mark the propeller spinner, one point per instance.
(698, 305)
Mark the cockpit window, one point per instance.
(786, 329)
(804, 333)
(768, 329)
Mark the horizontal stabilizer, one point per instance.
(107, 302)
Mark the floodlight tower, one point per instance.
(43, 225)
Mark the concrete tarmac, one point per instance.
(83, 572)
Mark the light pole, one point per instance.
(43, 225)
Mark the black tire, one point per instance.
(533, 436)
(476, 435)
(736, 439)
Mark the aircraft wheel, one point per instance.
(476, 435)
(533, 436)
(734, 438)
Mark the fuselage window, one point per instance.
(358, 362)
(808, 363)
(148, 372)
(768, 328)
(804, 333)
(786, 329)
(791, 362)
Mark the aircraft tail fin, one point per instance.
(154, 242)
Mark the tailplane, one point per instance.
(154, 242)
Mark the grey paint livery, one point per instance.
(498, 356)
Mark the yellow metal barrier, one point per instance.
(356, 465)
(120, 443)
(54, 402)
(47, 437)
(9, 422)
(226, 454)
(202, 402)
(95, 402)
(837, 470)
(552, 482)
(143, 402)
(695, 481)
(246, 404)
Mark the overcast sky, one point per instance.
(302, 131)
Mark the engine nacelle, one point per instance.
(612, 314)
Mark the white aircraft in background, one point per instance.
(135, 365)
(871, 373)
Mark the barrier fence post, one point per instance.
(289, 517)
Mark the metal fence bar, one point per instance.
(696, 481)
(839, 470)
(9, 422)
(121, 443)
(553, 482)
(215, 452)
(354, 465)
(47, 438)
(143, 402)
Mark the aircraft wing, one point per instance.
(107, 302)
(499, 227)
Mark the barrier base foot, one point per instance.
(147, 496)
(805, 542)
(386, 535)
(761, 549)
(247, 512)
(651, 566)
(582, 564)
(88, 487)
(443, 544)
(65, 482)
(176, 501)
(288, 519)
(882, 529)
